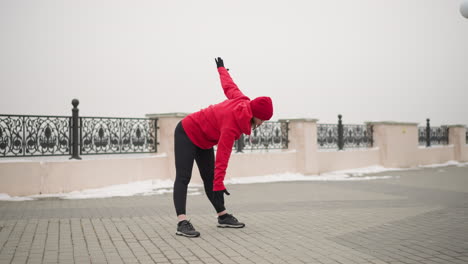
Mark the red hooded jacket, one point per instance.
(221, 124)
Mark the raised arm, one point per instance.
(230, 88)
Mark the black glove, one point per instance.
(218, 197)
(219, 62)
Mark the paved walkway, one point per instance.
(419, 217)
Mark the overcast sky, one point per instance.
(370, 60)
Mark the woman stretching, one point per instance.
(220, 124)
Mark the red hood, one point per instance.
(244, 115)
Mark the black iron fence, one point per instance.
(339, 136)
(327, 136)
(357, 136)
(26, 135)
(101, 135)
(431, 136)
(270, 135)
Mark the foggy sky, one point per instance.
(369, 60)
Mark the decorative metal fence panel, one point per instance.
(354, 136)
(24, 135)
(432, 136)
(439, 135)
(27, 136)
(357, 136)
(327, 136)
(100, 135)
(339, 136)
(270, 135)
(422, 136)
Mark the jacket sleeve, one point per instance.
(230, 88)
(223, 153)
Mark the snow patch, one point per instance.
(150, 187)
(448, 163)
(362, 171)
(154, 187)
(6, 197)
(286, 177)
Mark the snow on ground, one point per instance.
(362, 171)
(284, 177)
(448, 163)
(134, 188)
(6, 197)
(153, 187)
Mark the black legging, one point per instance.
(185, 153)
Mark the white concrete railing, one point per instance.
(395, 146)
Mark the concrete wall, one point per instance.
(397, 142)
(262, 163)
(432, 155)
(347, 159)
(38, 177)
(457, 138)
(395, 146)
(464, 154)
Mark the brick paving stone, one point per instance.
(418, 217)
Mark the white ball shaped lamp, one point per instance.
(464, 8)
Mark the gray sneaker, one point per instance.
(185, 228)
(229, 221)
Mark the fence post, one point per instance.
(74, 127)
(457, 138)
(340, 133)
(156, 135)
(303, 140)
(397, 143)
(287, 132)
(167, 122)
(428, 133)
